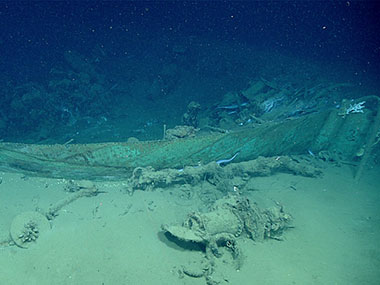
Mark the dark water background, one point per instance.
(36, 34)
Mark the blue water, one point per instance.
(159, 56)
(35, 34)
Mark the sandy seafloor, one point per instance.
(98, 241)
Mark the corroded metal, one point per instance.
(114, 161)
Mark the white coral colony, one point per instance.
(356, 108)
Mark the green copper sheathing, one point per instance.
(117, 160)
